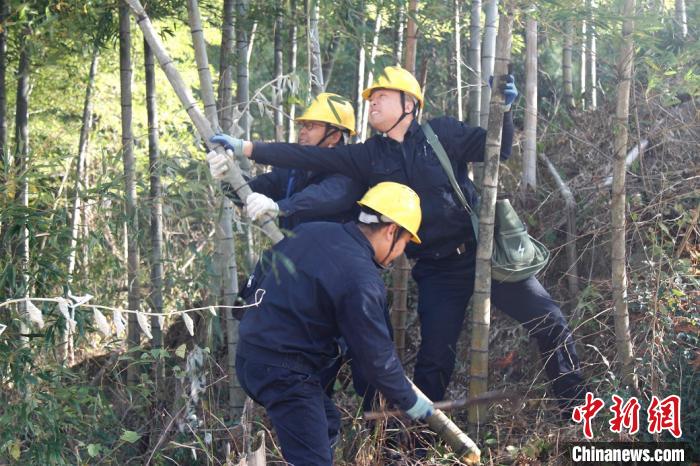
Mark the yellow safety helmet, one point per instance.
(332, 109)
(397, 203)
(396, 78)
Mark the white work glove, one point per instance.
(422, 408)
(218, 163)
(258, 204)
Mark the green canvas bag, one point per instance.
(516, 255)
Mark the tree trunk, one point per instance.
(156, 203)
(619, 273)
(474, 58)
(279, 71)
(360, 69)
(488, 52)
(529, 179)
(592, 57)
(315, 61)
(458, 56)
(225, 91)
(132, 219)
(582, 68)
(567, 65)
(291, 132)
(363, 129)
(681, 18)
(399, 31)
(409, 62)
(481, 314)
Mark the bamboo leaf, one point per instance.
(118, 322)
(129, 435)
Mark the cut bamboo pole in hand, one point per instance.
(233, 175)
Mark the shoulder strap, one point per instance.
(434, 142)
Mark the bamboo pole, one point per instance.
(226, 286)
(529, 175)
(457, 20)
(481, 314)
(363, 129)
(233, 175)
(567, 73)
(474, 58)
(623, 339)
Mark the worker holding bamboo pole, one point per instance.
(298, 196)
(335, 291)
(445, 261)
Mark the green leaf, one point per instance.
(94, 449)
(14, 450)
(130, 436)
(181, 350)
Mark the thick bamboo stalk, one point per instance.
(399, 31)
(233, 176)
(481, 313)
(132, 223)
(315, 62)
(582, 68)
(409, 61)
(681, 18)
(488, 53)
(279, 71)
(242, 78)
(359, 102)
(567, 72)
(332, 55)
(623, 339)
(463, 447)
(226, 284)
(4, 11)
(200, 54)
(399, 304)
(291, 130)
(156, 205)
(592, 55)
(225, 91)
(570, 209)
(21, 166)
(363, 129)
(529, 177)
(474, 64)
(457, 23)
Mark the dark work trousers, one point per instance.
(444, 289)
(305, 419)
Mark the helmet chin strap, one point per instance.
(330, 131)
(397, 235)
(404, 114)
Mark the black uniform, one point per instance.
(444, 270)
(304, 196)
(325, 285)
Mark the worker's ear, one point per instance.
(390, 231)
(335, 138)
(409, 104)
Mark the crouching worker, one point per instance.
(334, 289)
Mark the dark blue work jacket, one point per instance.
(304, 196)
(323, 285)
(446, 224)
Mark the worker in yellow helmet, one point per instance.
(333, 290)
(299, 196)
(444, 267)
